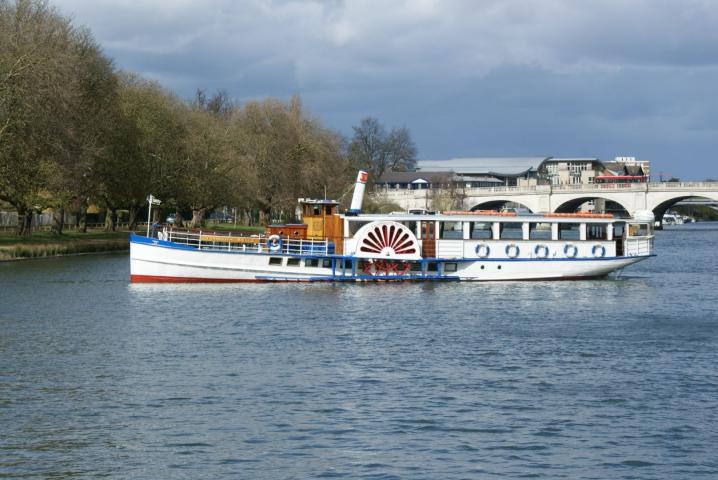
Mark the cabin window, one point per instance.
(450, 267)
(311, 262)
(540, 231)
(480, 230)
(415, 267)
(355, 226)
(618, 230)
(292, 262)
(328, 210)
(411, 226)
(451, 230)
(327, 263)
(596, 231)
(569, 231)
(432, 267)
(511, 230)
(275, 260)
(317, 210)
(638, 230)
(347, 264)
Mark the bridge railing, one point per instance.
(549, 189)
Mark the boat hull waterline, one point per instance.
(157, 261)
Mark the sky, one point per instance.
(562, 78)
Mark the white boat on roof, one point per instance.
(336, 247)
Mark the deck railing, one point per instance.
(639, 246)
(214, 241)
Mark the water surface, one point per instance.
(612, 378)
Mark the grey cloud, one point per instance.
(467, 77)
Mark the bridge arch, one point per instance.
(612, 206)
(499, 203)
(662, 205)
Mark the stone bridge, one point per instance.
(631, 197)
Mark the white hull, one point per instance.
(156, 261)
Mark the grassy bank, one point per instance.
(46, 244)
(43, 244)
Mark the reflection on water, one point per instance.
(604, 378)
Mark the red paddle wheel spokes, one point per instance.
(389, 239)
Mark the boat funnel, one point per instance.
(358, 196)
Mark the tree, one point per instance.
(146, 148)
(38, 79)
(88, 130)
(375, 149)
(209, 170)
(288, 155)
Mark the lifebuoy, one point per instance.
(274, 243)
(570, 250)
(512, 250)
(541, 251)
(599, 251)
(483, 250)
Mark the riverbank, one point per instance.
(46, 244)
(43, 244)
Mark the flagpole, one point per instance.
(149, 214)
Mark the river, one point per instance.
(613, 378)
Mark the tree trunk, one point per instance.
(110, 219)
(82, 219)
(179, 221)
(197, 217)
(24, 222)
(58, 221)
(132, 220)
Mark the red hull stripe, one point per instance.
(161, 279)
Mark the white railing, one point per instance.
(242, 243)
(638, 246)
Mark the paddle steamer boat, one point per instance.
(455, 245)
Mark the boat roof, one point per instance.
(486, 217)
(317, 201)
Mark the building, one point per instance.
(480, 172)
(569, 171)
(486, 172)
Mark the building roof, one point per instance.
(573, 159)
(477, 178)
(501, 166)
(408, 177)
(621, 168)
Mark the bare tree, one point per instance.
(377, 150)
